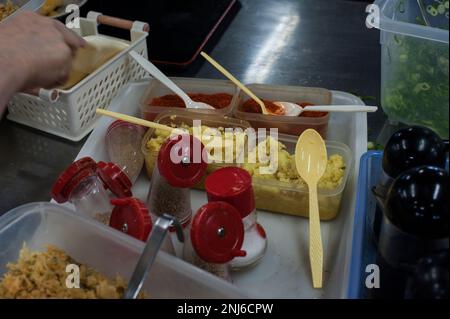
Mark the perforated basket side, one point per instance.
(73, 116)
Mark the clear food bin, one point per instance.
(189, 85)
(287, 198)
(414, 67)
(286, 124)
(179, 117)
(107, 250)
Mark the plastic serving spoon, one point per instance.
(222, 70)
(311, 161)
(292, 109)
(154, 71)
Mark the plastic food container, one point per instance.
(414, 67)
(286, 124)
(105, 249)
(181, 116)
(282, 197)
(188, 85)
(123, 144)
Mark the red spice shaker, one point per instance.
(234, 186)
(81, 185)
(216, 238)
(123, 145)
(181, 164)
(131, 216)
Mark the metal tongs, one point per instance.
(150, 252)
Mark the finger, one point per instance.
(70, 37)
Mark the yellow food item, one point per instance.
(39, 275)
(88, 59)
(282, 190)
(50, 6)
(286, 171)
(7, 9)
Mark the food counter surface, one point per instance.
(287, 42)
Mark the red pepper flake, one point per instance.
(218, 100)
(251, 106)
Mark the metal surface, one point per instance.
(321, 43)
(154, 242)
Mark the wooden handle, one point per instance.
(119, 23)
(138, 121)
(315, 239)
(235, 81)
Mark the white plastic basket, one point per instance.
(70, 114)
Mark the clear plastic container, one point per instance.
(172, 178)
(179, 117)
(233, 185)
(188, 85)
(414, 67)
(286, 124)
(105, 249)
(123, 144)
(215, 239)
(286, 198)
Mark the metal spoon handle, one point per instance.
(315, 238)
(148, 256)
(157, 74)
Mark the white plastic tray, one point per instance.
(284, 272)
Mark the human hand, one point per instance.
(36, 51)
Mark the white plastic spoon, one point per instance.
(157, 74)
(292, 109)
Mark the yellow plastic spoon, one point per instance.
(311, 161)
(222, 70)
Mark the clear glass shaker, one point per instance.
(123, 145)
(215, 238)
(233, 185)
(81, 185)
(179, 167)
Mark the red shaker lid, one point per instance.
(170, 161)
(131, 217)
(71, 177)
(234, 186)
(217, 233)
(115, 179)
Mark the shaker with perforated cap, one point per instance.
(123, 145)
(130, 216)
(81, 185)
(234, 186)
(215, 239)
(181, 164)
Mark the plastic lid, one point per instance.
(131, 217)
(71, 177)
(217, 233)
(181, 161)
(234, 186)
(115, 179)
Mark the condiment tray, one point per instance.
(284, 272)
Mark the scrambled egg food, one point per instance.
(277, 186)
(285, 168)
(39, 275)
